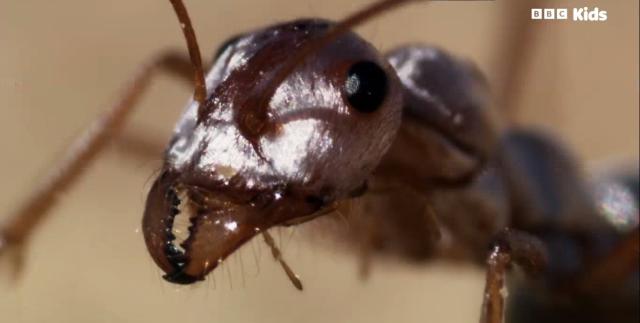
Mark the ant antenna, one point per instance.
(200, 91)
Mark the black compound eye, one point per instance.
(366, 86)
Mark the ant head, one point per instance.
(341, 105)
(447, 131)
(239, 164)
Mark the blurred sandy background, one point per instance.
(62, 62)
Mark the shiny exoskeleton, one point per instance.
(475, 181)
(298, 117)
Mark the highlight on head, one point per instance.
(345, 25)
(308, 49)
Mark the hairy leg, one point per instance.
(277, 255)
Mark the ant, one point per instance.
(240, 161)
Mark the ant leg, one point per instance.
(515, 56)
(277, 255)
(510, 247)
(20, 225)
(614, 267)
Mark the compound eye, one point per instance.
(366, 86)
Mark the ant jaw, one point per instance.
(188, 234)
(190, 230)
(181, 278)
(157, 218)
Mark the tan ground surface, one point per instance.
(61, 62)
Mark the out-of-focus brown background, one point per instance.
(62, 62)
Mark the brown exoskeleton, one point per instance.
(519, 194)
(240, 208)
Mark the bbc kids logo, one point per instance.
(577, 14)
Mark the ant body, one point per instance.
(235, 168)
